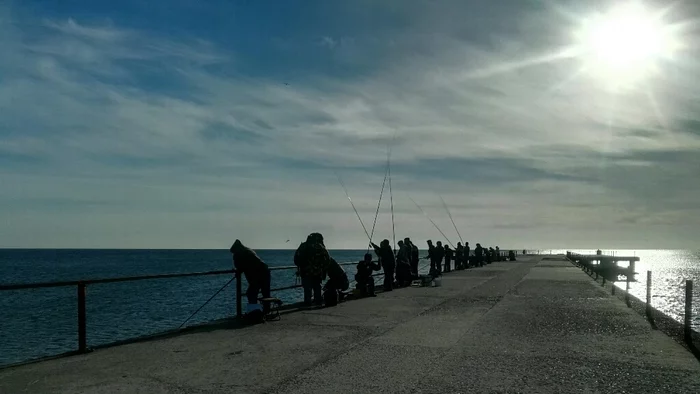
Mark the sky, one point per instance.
(188, 124)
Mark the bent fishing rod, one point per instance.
(450, 215)
(431, 221)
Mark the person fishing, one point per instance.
(432, 255)
(467, 251)
(439, 256)
(415, 258)
(449, 253)
(498, 254)
(459, 256)
(489, 255)
(478, 256)
(363, 277)
(312, 260)
(337, 283)
(256, 273)
(388, 262)
(403, 265)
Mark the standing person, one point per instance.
(498, 254)
(388, 262)
(256, 273)
(432, 255)
(440, 254)
(337, 282)
(479, 255)
(489, 255)
(313, 260)
(459, 256)
(467, 251)
(415, 258)
(363, 277)
(403, 265)
(448, 258)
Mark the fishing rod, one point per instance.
(210, 298)
(391, 197)
(450, 215)
(379, 203)
(387, 172)
(353, 206)
(431, 221)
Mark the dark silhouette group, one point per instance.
(401, 267)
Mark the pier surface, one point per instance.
(539, 325)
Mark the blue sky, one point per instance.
(188, 124)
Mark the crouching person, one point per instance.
(256, 273)
(363, 277)
(337, 282)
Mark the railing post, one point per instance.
(613, 288)
(688, 310)
(239, 295)
(648, 309)
(627, 290)
(82, 321)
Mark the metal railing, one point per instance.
(688, 333)
(81, 287)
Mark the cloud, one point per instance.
(157, 128)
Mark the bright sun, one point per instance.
(625, 45)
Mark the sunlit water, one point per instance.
(669, 269)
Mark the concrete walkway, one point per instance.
(538, 326)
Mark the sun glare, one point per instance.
(626, 44)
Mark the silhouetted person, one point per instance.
(415, 257)
(440, 254)
(479, 255)
(449, 253)
(498, 254)
(459, 256)
(467, 258)
(403, 265)
(432, 255)
(337, 282)
(511, 255)
(388, 262)
(489, 255)
(363, 277)
(313, 260)
(256, 273)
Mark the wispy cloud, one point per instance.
(142, 123)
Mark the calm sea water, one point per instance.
(43, 322)
(669, 269)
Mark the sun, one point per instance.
(626, 45)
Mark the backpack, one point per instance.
(318, 260)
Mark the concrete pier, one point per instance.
(539, 325)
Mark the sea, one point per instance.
(43, 322)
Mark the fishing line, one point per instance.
(391, 197)
(431, 221)
(210, 298)
(450, 215)
(379, 203)
(353, 206)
